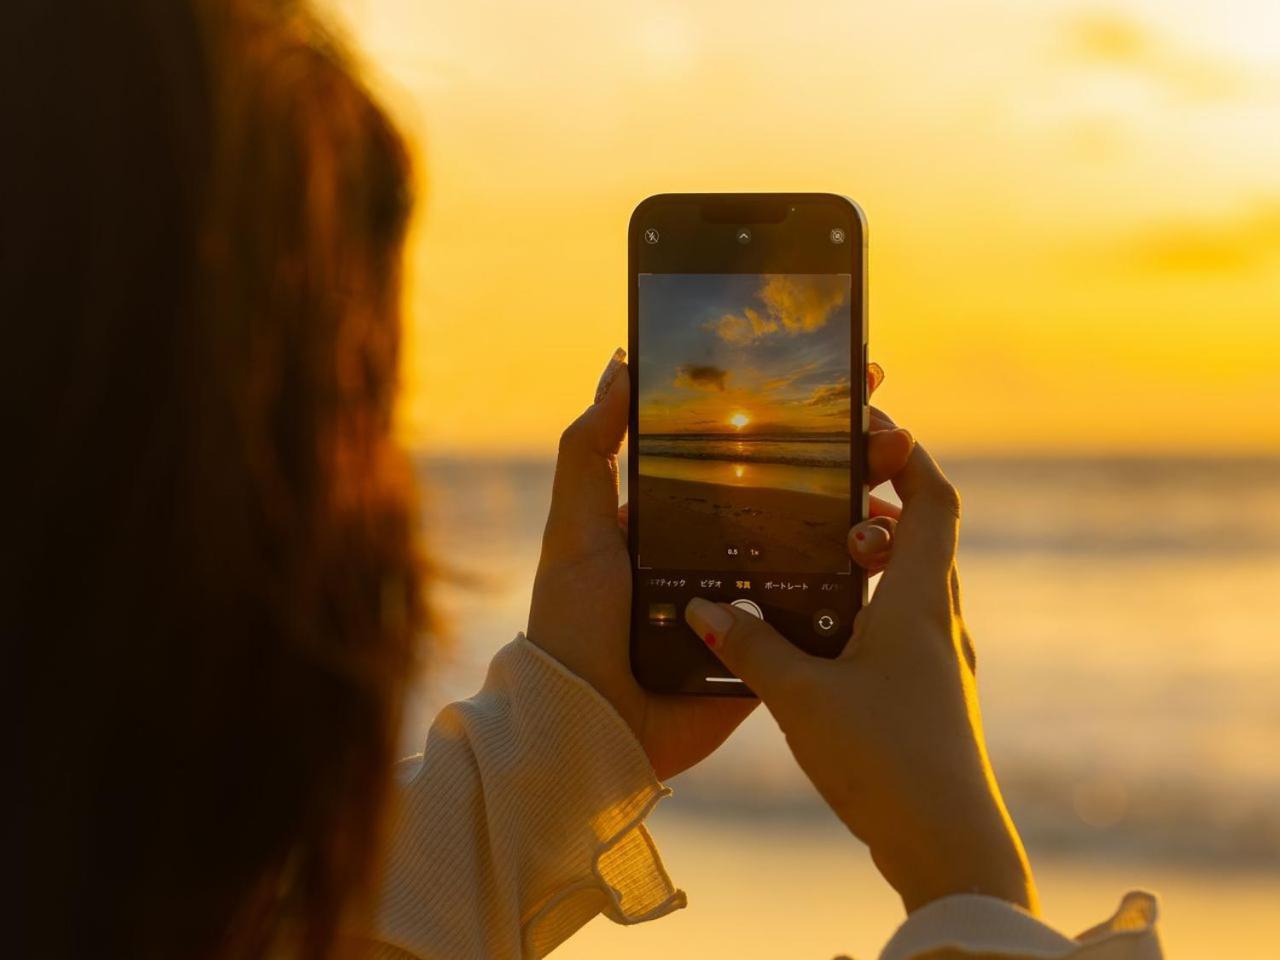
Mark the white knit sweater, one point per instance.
(524, 818)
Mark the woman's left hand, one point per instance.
(581, 609)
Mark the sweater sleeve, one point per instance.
(967, 925)
(521, 821)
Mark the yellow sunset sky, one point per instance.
(1074, 208)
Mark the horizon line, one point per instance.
(1269, 454)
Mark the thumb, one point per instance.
(584, 494)
(760, 656)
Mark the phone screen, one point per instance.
(745, 465)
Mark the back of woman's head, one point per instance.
(208, 591)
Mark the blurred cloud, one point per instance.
(743, 329)
(1247, 240)
(1112, 40)
(701, 377)
(830, 393)
(803, 304)
(793, 304)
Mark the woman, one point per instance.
(210, 592)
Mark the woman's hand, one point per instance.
(890, 732)
(581, 607)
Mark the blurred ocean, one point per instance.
(1127, 616)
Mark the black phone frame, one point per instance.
(692, 671)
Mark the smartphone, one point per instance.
(746, 450)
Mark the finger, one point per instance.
(880, 423)
(748, 646)
(881, 507)
(966, 638)
(922, 480)
(875, 377)
(887, 452)
(584, 494)
(871, 543)
(927, 531)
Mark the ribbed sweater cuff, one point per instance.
(988, 926)
(522, 820)
(607, 786)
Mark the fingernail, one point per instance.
(610, 373)
(709, 620)
(875, 374)
(870, 539)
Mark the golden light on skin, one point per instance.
(739, 420)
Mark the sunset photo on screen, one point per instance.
(744, 421)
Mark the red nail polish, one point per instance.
(710, 639)
(859, 535)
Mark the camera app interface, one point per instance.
(744, 439)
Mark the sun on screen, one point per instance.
(739, 420)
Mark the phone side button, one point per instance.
(866, 362)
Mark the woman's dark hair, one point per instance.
(209, 592)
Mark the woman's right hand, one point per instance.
(890, 732)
